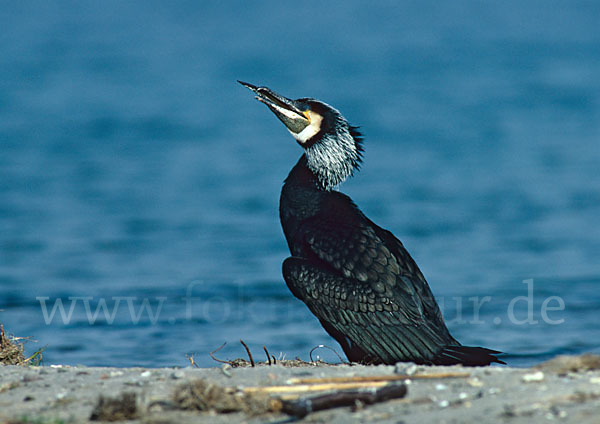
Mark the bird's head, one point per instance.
(333, 148)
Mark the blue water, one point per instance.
(133, 168)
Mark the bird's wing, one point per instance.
(359, 250)
(360, 279)
(368, 327)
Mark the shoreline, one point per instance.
(566, 389)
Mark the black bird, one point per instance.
(356, 277)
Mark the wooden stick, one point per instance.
(316, 387)
(365, 378)
(302, 407)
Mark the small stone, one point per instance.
(146, 374)
(462, 395)
(475, 382)
(405, 368)
(533, 377)
(444, 404)
(177, 375)
(595, 380)
(116, 373)
(440, 387)
(225, 369)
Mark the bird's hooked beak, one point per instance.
(285, 109)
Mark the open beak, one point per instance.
(285, 109)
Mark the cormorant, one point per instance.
(354, 276)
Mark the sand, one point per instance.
(564, 390)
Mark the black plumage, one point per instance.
(354, 276)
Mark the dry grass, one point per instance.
(11, 351)
(564, 364)
(292, 363)
(201, 395)
(122, 407)
(271, 360)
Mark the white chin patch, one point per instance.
(311, 130)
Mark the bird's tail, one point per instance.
(467, 355)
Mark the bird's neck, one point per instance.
(333, 159)
(302, 193)
(301, 198)
(302, 176)
(319, 170)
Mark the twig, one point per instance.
(248, 351)
(364, 378)
(326, 347)
(267, 353)
(303, 407)
(191, 359)
(217, 359)
(36, 357)
(274, 360)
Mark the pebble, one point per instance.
(411, 370)
(444, 404)
(403, 368)
(146, 374)
(475, 382)
(440, 387)
(225, 369)
(533, 377)
(595, 380)
(116, 373)
(177, 375)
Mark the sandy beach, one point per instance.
(566, 389)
